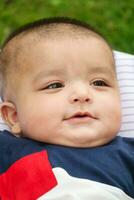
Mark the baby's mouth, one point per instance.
(80, 117)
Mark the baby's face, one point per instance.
(69, 93)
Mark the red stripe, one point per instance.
(28, 178)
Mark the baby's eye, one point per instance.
(54, 85)
(99, 83)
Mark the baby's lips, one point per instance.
(81, 115)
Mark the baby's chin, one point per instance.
(85, 143)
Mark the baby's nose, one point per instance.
(81, 99)
(81, 95)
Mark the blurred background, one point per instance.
(114, 19)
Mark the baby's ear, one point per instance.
(9, 115)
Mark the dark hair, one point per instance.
(49, 21)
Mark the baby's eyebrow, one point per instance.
(46, 73)
(107, 70)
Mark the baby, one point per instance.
(59, 92)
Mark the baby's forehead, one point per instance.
(23, 47)
(19, 45)
(53, 32)
(31, 41)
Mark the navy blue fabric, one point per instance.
(112, 164)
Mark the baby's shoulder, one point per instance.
(24, 166)
(124, 143)
(13, 148)
(9, 141)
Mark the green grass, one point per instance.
(113, 18)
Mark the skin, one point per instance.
(67, 94)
